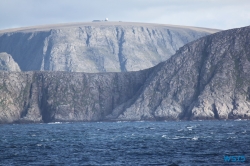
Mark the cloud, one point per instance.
(219, 14)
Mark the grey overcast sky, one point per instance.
(219, 14)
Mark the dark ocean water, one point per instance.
(125, 143)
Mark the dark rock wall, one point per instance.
(63, 96)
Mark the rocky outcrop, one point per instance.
(7, 63)
(96, 47)
(206, 79)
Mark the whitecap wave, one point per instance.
(195, 138)
(55, 123)
(164, 136)
(237, 120)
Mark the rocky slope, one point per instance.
(96, 47)
(206, 79)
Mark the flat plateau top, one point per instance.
(104, 23)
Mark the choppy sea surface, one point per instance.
(125, 143)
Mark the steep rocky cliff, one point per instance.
(64, 96)
(96, 47)
(206, 79)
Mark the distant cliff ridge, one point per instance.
(96, 47)
(206, 79)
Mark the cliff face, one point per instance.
(64, 96)
(206, 79)
(96, 47)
